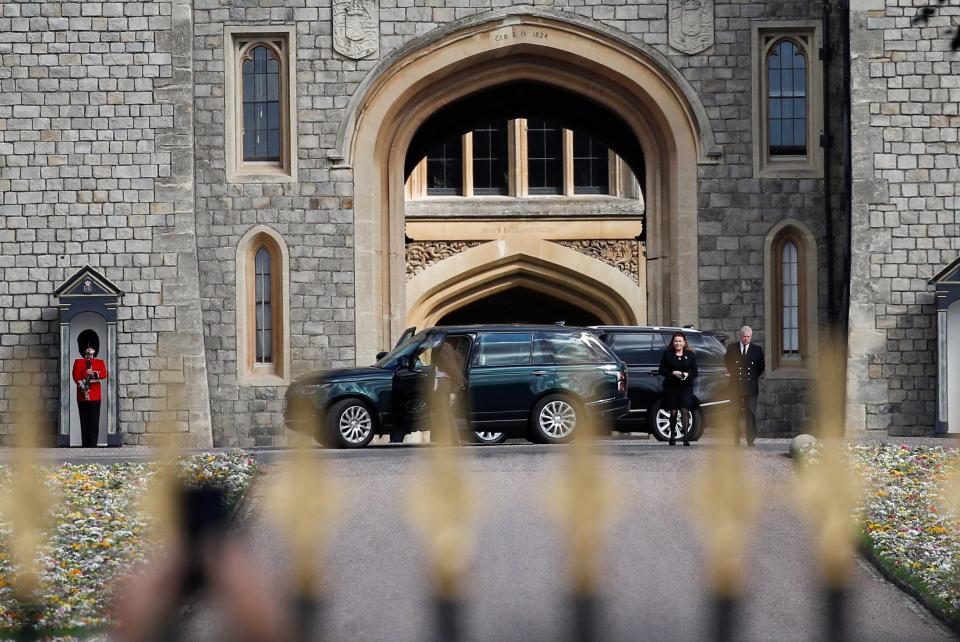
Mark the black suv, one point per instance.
(520, 380)
(641, 347)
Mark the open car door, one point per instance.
(409, 332)
(410, 383)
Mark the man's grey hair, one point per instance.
(744, 329)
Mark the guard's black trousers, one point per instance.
(89, 422)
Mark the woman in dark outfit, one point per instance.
(679, 368)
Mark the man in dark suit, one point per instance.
(745, 365)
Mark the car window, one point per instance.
(542, 353)
(638, 347)
(707, 350)
(446, 352)
(569, 348)
(403, 349)
(504, 349)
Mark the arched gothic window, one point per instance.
(260, 99)
(262, 308)
(790, 257)
(787, 103)
(789, 298)
(262, 114)
(263, 314)
(787, 99)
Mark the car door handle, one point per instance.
(653, 372)
(539, 373)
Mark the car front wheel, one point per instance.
(350, 424)
(554, 419)
(658, 423)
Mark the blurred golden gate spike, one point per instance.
(306, 502)
(585, 499)
(444, 505)
(831, 490)
(726, 500)
(27, 503)
(162, 502)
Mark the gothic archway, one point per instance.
(633, 82)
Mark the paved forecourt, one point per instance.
(654, 584)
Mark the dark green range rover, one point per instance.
(519, 380)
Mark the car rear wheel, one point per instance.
(554, 419)
(658, 423)
(487, 437)
(350, 424)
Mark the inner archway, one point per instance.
(557, 272)
(634, 82)
(520, 305)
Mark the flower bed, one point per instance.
(98, 531)
(906, 528)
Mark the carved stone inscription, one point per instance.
(691, 25)
(356, 27)
(512, 35)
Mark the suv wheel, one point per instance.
(350, 424)
(486, 437)
(554, 419)
(658, 423)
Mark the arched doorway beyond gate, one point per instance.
(636, 83)
(549, 269)
(520, 304)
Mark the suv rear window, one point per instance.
(504, 349)
(708, 350)
(638, 347)
(568, 348)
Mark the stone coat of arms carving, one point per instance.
(356, 27)
(691, 25)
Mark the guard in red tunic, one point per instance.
(88, 372)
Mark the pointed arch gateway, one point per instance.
(540, 266)
(633, 82)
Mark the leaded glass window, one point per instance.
(790, 299)
(787, 99)
(590, 165)
(263, 313)
(445, 168)
(490, 163)
(544, 157)
(262, 127)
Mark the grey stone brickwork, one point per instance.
(112, 152)
(314, 215)
(96, 166)
(906, 211)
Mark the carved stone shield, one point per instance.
(691, 25)
(356, 27)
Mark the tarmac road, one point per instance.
(654, 579)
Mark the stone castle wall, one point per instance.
(906, 210)
(96, 166)
(112, 152)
